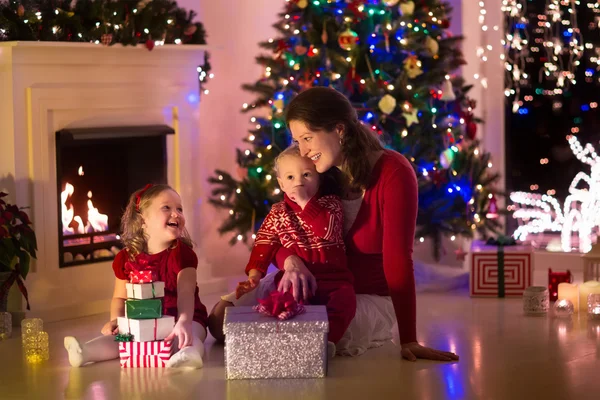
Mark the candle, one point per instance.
(587, 288)
(569, 291)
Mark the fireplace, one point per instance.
(97, 169)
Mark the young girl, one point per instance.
(155, 239)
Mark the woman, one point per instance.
(380, 210)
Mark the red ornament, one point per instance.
(439, 177)
(554, 278)
(106, 39)
(492, 209)
(149, 44)
(445, 24)
(311, 51)
(471, 130)
(354, 7)
(460, 254)
(20, 10)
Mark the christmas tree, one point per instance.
(396, 62)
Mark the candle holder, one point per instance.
(5, 325)
(564, 308)
(554, 279)
(585, 289)
(593, 305)
(536, 301)
(36, 347)
(31, 326)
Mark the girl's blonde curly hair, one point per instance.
(133, 236)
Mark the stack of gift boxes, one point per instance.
(143, 329)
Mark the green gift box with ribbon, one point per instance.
(143, 309)
(152, 290)
(500, 268)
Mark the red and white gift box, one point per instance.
(146, 330)
(146, 276)
(144, 354)
(518, 269)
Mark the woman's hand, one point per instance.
(412, 351)
(110, 328)
(183, 332)
(298, 278)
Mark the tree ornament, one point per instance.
(300, 50)
(391, 3)
(446, 158)
(432, 46)
(386, 35)
(190, 30)
(324, 37)
(412, 66)
(407, 9)
(311, 51)
(492, 208)
(387, 104)
(411, 117)
(445, 23)
(447, 91)
(302, 3)
(149, 44)
(20, 10)
(471, 130)
(106, 39)
(278, 104)
(439, 177)
(348, 39)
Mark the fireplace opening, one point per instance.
(97, 169)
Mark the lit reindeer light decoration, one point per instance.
(580, 212)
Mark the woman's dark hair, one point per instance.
(323, 109)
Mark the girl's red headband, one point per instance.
(138, 196)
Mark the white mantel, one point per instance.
(48, 86)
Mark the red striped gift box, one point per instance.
(144, 354)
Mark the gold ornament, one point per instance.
(407, 9)
(20, 10)
(412, 66)
(447, 91)
(302, 4)
(300, 50)
(390, 3)
(387, 104)
(432, 46)
(411, 117)
(278, 104)
(348, 39)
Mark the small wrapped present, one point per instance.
(500, 268)
(143, 309)
(145, 354)
(145, 290)
(145, 276)
(146, 330)
(261, 346)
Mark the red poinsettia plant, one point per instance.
(17, 246)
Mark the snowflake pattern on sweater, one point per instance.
(315, 234)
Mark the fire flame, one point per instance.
(97, 222)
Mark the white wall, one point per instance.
(233, 38)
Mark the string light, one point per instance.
(580, 211)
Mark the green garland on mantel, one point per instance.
(104, 22)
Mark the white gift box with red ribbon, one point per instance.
(147, 330)
(144, 354)
(141, 291)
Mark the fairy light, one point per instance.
(580, 212)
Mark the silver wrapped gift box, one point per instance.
(258, 346)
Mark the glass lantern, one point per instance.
(593, 306)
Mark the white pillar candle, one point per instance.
(587, 288)
(569, 291)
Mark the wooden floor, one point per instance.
(504, 355)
